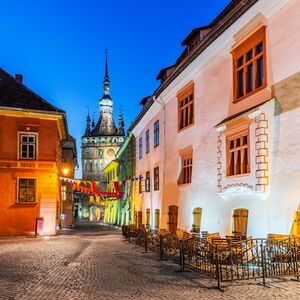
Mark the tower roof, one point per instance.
(106, 125)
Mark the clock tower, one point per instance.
(101, 141)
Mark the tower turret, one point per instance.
(88, 125)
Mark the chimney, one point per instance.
(19, 78)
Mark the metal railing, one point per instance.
(237, 260)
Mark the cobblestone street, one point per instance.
(95, 262)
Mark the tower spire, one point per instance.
(88, 124)
(106, 77)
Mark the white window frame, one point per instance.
(20, 144)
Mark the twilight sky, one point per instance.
(58, 46)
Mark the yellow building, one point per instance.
(112, 213)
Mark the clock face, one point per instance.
(110, 153)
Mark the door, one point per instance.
(156, 219)
(240, 222)
(173, 218)
(140, 218)
(148, 217)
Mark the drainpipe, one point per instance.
(161, 102)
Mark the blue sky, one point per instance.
(59, 45)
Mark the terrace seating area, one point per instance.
(226, 258)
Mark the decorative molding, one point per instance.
(238, 188)
(262, 152)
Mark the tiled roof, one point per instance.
(15, 95)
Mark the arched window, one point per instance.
(197, 214)
(91, 166)
(240, 222)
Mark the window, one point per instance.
(147, 141)
(140, 184)
(240, 222)
(156, 178)
(140, 148)
(27, 187)
(101, 153)
(186, 107)
(186, 170)
(63, 192)
(27, 146)
(238, 160)
(148, 181)
(197, 214)
(156, 133)
(249, 66)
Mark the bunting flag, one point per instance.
(116, 186)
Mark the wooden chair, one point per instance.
(211, 236)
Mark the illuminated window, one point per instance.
(156, 133)
(63, 192)
(186, 169)
(27, 190)
(28, 146)
(147, 141)
(186, 107)
(101, 153)
(240, 222)
(140, 148)
(249, 66)
(156, 178)
(238, 160)
(147, 187)
(197, 214)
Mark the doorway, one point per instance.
(173, 218)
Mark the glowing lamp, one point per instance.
(65, 171)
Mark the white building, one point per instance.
(230, 112)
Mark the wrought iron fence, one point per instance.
(236, 260)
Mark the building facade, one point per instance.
(102, 140)
(32, 131)
(68, 165)
(231, 117)
(126, 177)
(112, 214)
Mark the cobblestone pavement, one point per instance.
(96, 263)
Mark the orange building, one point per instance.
(31, 136)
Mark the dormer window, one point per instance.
(249, 66)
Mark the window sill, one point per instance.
(185, 128)
(249, 94)
(238, 176)
(183, 184)
(26, 203)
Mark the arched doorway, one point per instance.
(173, 218)
(197, 215)
(240, 222)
